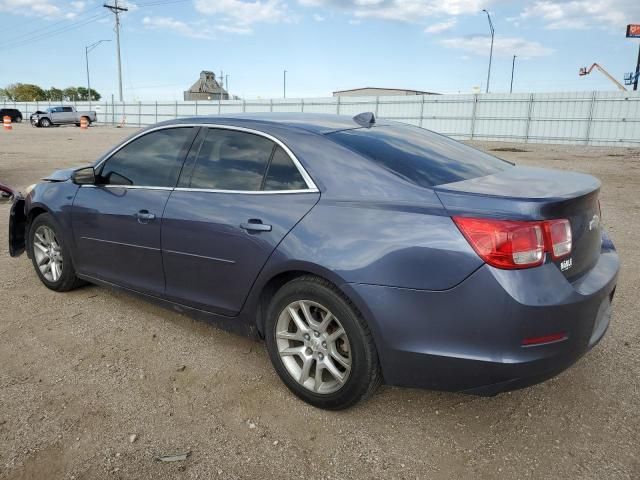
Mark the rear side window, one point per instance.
(153, 160)
(418, 155)
(283, 174)
(231, 160)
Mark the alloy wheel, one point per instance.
(48, 253)
(313, 346)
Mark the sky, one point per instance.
(325, 45)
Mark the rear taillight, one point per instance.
(559, 237)
(514, 244)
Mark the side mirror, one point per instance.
(84, 176)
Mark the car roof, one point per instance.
(320, 123)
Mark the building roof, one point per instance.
(207, 83)
(420, 92)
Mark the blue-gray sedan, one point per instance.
(361, 250)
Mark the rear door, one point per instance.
(116, 223)
(239, 195)
(67, 115)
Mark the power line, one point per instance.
(52, 25)
(160, 3)
(53, 33)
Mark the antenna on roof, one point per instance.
(366, 119)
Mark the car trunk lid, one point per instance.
(526, 193)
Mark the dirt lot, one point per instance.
(83, 371)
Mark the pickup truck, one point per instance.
(61, 116)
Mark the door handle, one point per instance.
(255, 225)
(144, 216)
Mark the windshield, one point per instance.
(420, 156)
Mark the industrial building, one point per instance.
(206, 88)
(379, 92)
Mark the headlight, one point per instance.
(27, 190)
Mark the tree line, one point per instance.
(26, 92)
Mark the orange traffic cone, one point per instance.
(7, 122)
(84, 123)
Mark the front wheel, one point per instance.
(320, 346)
(50, 257)
(44, 122)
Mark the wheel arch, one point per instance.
(34, 212)
(276, 280)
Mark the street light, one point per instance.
(513, 67)
(491, 52)
(87, 49)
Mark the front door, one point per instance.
(234, 204)
(116, 223)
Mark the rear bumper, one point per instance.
(469, 338)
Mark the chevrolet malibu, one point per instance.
(360, 250)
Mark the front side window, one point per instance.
(153, 160)
(231, 160)
(67, 109)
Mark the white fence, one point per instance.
(587, 118)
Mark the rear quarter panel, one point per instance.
(403, 246)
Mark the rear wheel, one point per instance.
(50, 256)
(320, 346)
(18, 119)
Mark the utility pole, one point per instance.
(284, 85)
(87, 49)
(491, 52)
(513, 67)
(116, 11)
(635, 84)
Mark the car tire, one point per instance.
(44, 123)
(47, 248)
(355, 369)
(18, 119)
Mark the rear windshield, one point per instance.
(418, 155)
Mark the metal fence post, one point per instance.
(176, 116)
(421, 121)
(156, 111)
(338, 106)
(196, 108)
(587, 137)
(473, 115)
(244, 105)
(220, 105)
(528, 129)
(302, 105)
(377, 105)
(271, 104)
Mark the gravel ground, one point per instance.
(82, 372)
